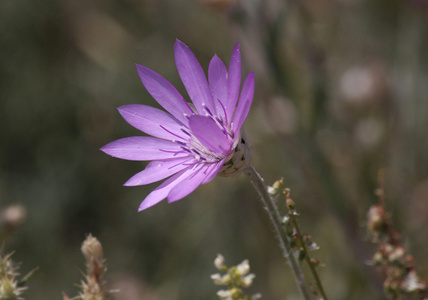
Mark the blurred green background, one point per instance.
(341, 93)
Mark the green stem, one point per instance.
(307, 257)
(284, 240)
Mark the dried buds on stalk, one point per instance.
(300, 243)
(398, 267)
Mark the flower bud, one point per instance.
(276, 187)
(315, 262)
(225, 294)
(243, 268)
(218, 280)
(396, 255)
(290, 204)
(219, 262)
(247, 281)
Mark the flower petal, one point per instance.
(152, 121)
(164, 93)
(234, 81)
(214, 171)
(244, 103)
(188, 185)
(209, 134)
(193, 77)
(158, 170)
(162, 191)
(143, 148)
(217, 78)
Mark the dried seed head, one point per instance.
(12, 215)
(9, 288)
(93, 252)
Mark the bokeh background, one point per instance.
(341, 93)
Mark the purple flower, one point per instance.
(189, 144)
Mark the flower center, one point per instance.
(202, 153)
(199, 151)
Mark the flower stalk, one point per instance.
(284, 240)
(312, 263)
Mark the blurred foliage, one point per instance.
(340, 93)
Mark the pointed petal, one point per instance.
(209, 134)
(164, 93)
(143, 148)
(193, 77)
(234, 81)
(244, 103)
(162, 191)
(157, 170)
(188, 185)
(214, 171)
(152, 121)
(217, 78)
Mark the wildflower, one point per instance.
(190, 144)
(235, 278)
